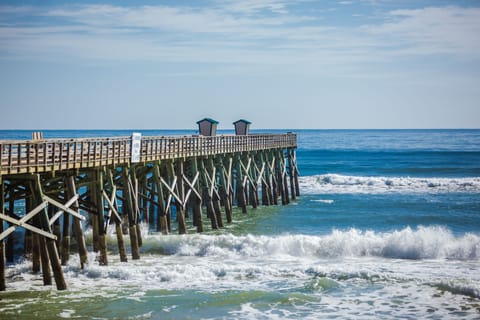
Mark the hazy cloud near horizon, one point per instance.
(280, 64)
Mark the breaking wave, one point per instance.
(335, 183)
(421, 243)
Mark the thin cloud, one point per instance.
(254, 6)
(242, 32)
(433, 30)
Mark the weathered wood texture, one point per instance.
(29, 156)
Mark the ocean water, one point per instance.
(387, 227)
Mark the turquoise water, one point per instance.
(387, 227)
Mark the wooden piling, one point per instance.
(273, 178)
(50, 243)
(130, 211)
(136, 203)
(254, 174)
(116, 217)
(35, 253)
(212, 173)
(71, 191)
(197, 201)
(224, 179)
(56, 228)
(44, 258)
(291, 173)
(280, 178)
(9, 250)
(33, 238)
(208, 187)
(162, 223)
(102, 239)
(3, 262)
(295, 171)
(180, 205)
(65, 238)
(240, 185)
(94, 217)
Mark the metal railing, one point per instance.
(29, 156)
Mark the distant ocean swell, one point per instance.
(335, 183)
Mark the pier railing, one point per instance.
(29, 156)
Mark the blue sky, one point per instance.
(280, 64)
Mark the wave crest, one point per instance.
(335, 183)
(421, 243)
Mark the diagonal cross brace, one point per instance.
(64, 208)
(190, 184)
(22, 223)
(228, 174)
(110, 202)
(171, 192)
(60, 212)
(212, 182)
(246, 171)
(260, 174)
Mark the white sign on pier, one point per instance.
(136, 145)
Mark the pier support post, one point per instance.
(132, 214)
(118, 221)
(162, 224)
(76, 223)
(3, 264)
(136, 204)
(9, 250)
(33, 238)
(207, 194)
(212, 173)
(56, 228)
(44, 258)
(225, 181)
(179, 203)
(285, 184)
(292, 168)
(50, 243)
(266, 181)
(273, 177)
(94, 216)
(253, 182)
(65, 238)
(102, 239)
(152, 204)
(240, 185)
(197, 202)
(281, 178)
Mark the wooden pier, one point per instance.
(54, 188)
